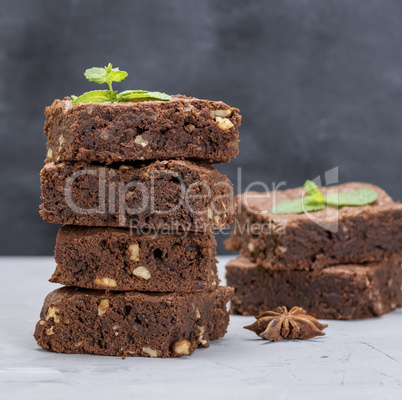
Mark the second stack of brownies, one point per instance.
(350, 271)
(133, 186)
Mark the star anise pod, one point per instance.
(282, 324)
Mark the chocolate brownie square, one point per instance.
(120, 259)
(301, 242)
(163, 195)
(131, 323)
(337, 292)
(183, 128)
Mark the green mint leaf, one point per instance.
(105, 75)
(95, 96)
(356, 198)
(295, 206)
(109, 68)
(312, 194)
(142, 95)
(115, 75)
(129, 92)
(313, 200)
(96, 74)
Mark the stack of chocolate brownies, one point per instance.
(133, 185)
(353, 270)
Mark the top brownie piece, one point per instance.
(183, 128)
(318, 239)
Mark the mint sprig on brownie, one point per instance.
(109, 75)
(314, 200)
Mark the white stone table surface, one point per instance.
(355, 360)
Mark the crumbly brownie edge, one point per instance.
(341, 292)
(200, 216)
(365, 234)
(184, 128)
(131, 323)
(115, 259)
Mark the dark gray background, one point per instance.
(319, 84)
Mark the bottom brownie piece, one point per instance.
(131, 323)
(337, 292)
